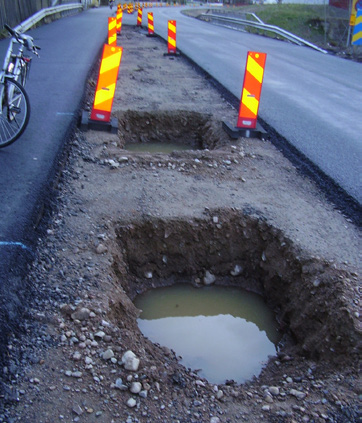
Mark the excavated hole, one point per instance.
(242, 250)
(165, 131)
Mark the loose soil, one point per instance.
(125, 222)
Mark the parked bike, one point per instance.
(14, 101)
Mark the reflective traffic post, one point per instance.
(247, 124)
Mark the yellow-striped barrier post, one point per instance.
(357, 30)
(100, 117)
(139, 17)
(247, 124)
(119, 17)
(151, 27)
(171, 39)
(112, 31)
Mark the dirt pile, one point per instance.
(215, 208)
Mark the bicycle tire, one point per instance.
(15, 111)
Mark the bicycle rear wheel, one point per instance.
(14, 111)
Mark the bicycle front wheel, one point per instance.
(14, 111)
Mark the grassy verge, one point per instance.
(306, 21)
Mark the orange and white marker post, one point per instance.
(100, 117)
(112, 31)
(250, 98)
(119, 17)
(139, 17)
(171, 39)
(151, 27)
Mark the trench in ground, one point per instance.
(307, 293)
(180, 129)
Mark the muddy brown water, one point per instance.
(224, 333)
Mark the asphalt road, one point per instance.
(312, 99)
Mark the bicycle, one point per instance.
(14, 101)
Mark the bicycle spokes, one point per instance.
(15, 112)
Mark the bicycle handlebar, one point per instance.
(26, 40)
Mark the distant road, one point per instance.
(312, 99)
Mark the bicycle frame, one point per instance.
(14, 62)
(14, 101)
(17, 64)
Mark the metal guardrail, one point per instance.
(37, 17)
(261, 25)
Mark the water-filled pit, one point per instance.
(223, 333)
(240, 249)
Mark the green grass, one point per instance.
(306, 21)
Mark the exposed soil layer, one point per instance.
(125, 222)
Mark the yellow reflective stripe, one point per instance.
(250, 101)
(172, 27)
(358, 20)
(112, 39)
(112, 24)
(255, 69)
(357, 37)
(172, 41)
(151, 27)
(104, 94)
(110, 62)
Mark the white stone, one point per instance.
(268, 398)
(297, 394)
(82, 314)
(274, 390)
(200, 383)
(77, 356)
(209, 278)
(136, 387)
(120, 385)
(130, 361)
(108, 354)
(143, 394)
(237, 270)
(77, 374)
(219, 394)
(215, 420)
(131, 403)
(100, 334)
(88, 360)
(101, 249)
